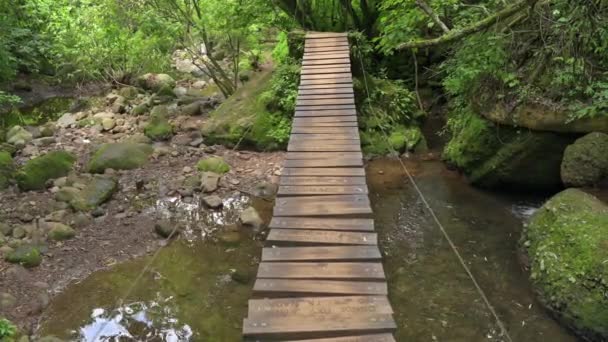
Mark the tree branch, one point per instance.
(429, 11)
(455, 35)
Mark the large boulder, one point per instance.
(97, 191)
(567, 245)
(36, 172)
(156, 82)
(213, 164)
(119, 156)
(6, 169)
(585, 162)
(18, 136)
(495, 156)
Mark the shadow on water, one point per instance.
(433, 297)
(195, 290)
(198, 287)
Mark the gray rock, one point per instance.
(212, 201)
(18, 136)
(98, 212)
(250, 217)
(7, 301)
(67, 194)
(199, 84)
(80, 220)
(209, 181)
(108, 124)
(6, 250)
(191, 109)
(56, 216)
(66, 120)
(44, 141)
(119, 104)
(5, 229)
(180, 91)
(165, 229)
(19, 232)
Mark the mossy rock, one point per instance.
(213, 164)
(128, 92)
(494, 156)
(6, 169)
(400, 139)
(140, 109)
(154, 82)
(158, 128)
(585, 162)
(36, 172)
(60, 231)
(97, 191)
(28, 256)
(119, 156)
(567, 245)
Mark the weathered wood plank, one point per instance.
(318, 306)
(327, 61)
(327, 42)
(318, 148)
(359, 338)
(332, 109)
(323, 155)
(325, 93)
(290, 190)
(325, 130)
(326, 119)
(330, 138)
(326, 124)
(336, 162)
(323, 210)
(307, 113)
(325, 35)
(323, 102)
(321, 270)
(315, 143)
(321, 180)
(347, 224)
(312, 287)
(326, 96)
(323, 237)
(357, 199)
(321, 71)
(296, 327)
(321, 253)
(330, 171)
(321, 56)
(345, 80)
(312, 67)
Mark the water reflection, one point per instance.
(155, 320)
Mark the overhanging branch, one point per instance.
(454, 35)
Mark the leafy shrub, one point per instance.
(280, 54)
(7, 329)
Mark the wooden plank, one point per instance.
(345, 80)
(336, 162)
(319, 71)
(326, 49)
(325, 130)
(321, 56)
(317, 148)
(327, 61)
(323, 209)
(325, 35)
(325, 124)
(327, 237)
(329, 171)
(312, 67)
(290, 190)
(357, 199)
(326, 96)
(322, 223)
(326, 108)
(327, 42)
(297, 327)
(323, 102)
(330, 138)
(330, 112)
(325, 86)
(327, 92)
(323, 155)
(318, 75)
(321, 253)
(321, 180)
(326, 287)
(314, 143)
(359, 338)
(318, 306)
(326, 119)
(321, 270)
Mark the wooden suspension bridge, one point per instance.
(321, 277)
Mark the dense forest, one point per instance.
(101, 101)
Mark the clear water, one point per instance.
(190, 293)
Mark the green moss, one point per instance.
(213, 164)
(6, 169)
(98, 191)
(567, 244)
(585, 162)
(36, 172)
(119, 156)
(159, 129)
(26, 255)
(61, 232)
(399, 139)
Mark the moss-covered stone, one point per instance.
(499, 156)
(60, 232)
(26, 255)
(567, 245)
(140, 109)
(158, 127)
(36, 172)
(154, 82)
(6, 169)
(585, 162)
(119, 156)
(98, 191)
(128, 92)
(213, 164)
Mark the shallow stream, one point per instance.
(197, 288)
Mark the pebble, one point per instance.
(187, 169)
(175, 153)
